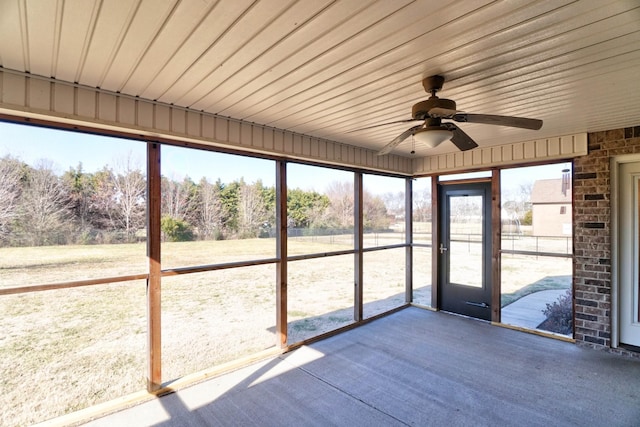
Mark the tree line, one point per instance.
(39, 207)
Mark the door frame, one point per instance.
(461, 297)
(616, 163)
(496, 240)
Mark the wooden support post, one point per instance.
(408, 232)
(496, 245)
(435, 238)
(154, 347)
(358, 241)
(281, 253)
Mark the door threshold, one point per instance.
(629, 347)
(465, 316)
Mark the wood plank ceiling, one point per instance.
(328, 67)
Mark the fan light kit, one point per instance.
(433, 132)
(432, 137)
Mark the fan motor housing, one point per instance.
(420, 111)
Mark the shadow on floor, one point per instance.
(413, 367)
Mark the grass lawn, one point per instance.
(67, 349)
(88, 344)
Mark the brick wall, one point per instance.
(592, 234)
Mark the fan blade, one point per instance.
(397, 140)
(460, 139)
(385, 124)
(516, 122)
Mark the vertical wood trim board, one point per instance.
(408, 232)
(435, 238)
(358, 245)
(496, 247)
(154, 331)
(281, 254)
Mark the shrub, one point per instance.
(559, 315)
(527, 218)
(176, 230)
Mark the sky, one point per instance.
(67, 149)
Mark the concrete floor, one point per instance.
(414, 367)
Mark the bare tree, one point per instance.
(526, 190)
(341, 207)
(251, 209)
(79, 186)
(209, 209)
(341, 203)
(394, 202)
(517, 201)
(129, 183)
(177, 198)
(103, 201)
(44, 204)
(374, 212)
(422, 205)
(10, 173)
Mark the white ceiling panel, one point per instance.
(183, 21)
(203, 36)
(74, 36)
(13, 47)
(327, 68)
(329, 28)
(269, 32)
(43, 23)
(105, 38)
(138, 34)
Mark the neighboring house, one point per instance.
(551, 205)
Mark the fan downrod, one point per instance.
(433, 84)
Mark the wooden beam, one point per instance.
(73, 284)
(496, 240)
(435, 268)
(215, 267)
(281, 254)
(358, 241)
(384, 247)
(408, 233)
(154, 345)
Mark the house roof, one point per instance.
(326, 68)
(549, 191)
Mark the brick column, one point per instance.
(592, 234)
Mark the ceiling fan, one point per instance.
(433, 131)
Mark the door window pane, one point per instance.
(466, 240)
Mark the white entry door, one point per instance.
(629, 253)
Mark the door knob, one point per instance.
(442, 248)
